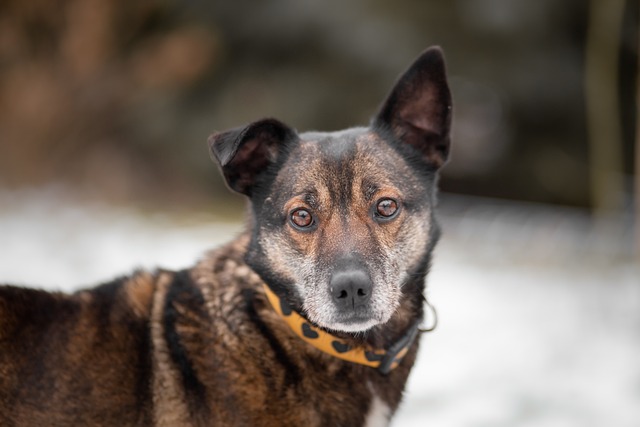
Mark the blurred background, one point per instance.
(106, 105)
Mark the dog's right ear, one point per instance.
(245, 152)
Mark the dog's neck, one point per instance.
(389, 338)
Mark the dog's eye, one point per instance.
(301, 218)
(386, 208)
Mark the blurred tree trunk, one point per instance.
(602, 105)
(636, 169)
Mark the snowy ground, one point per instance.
(539, 314)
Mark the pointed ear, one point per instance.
(244, 152)
(418, 109)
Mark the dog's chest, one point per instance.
(379, 413)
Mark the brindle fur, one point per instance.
(203, 347)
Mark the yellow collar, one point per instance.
(383, 360)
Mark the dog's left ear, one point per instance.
(418, 109)
(243, 153)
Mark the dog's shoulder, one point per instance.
(126, 296)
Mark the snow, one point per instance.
(539, 314)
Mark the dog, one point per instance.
(310, 317)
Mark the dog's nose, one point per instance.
(350, 289)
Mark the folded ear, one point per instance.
(418, 109)
(245, 152)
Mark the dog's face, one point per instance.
(342, 220)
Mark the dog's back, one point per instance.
(82, 359)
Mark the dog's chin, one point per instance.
(358, 321)
(351, 324)
(353, 327)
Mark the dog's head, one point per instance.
(343, 220)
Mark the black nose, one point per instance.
(351, 288)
